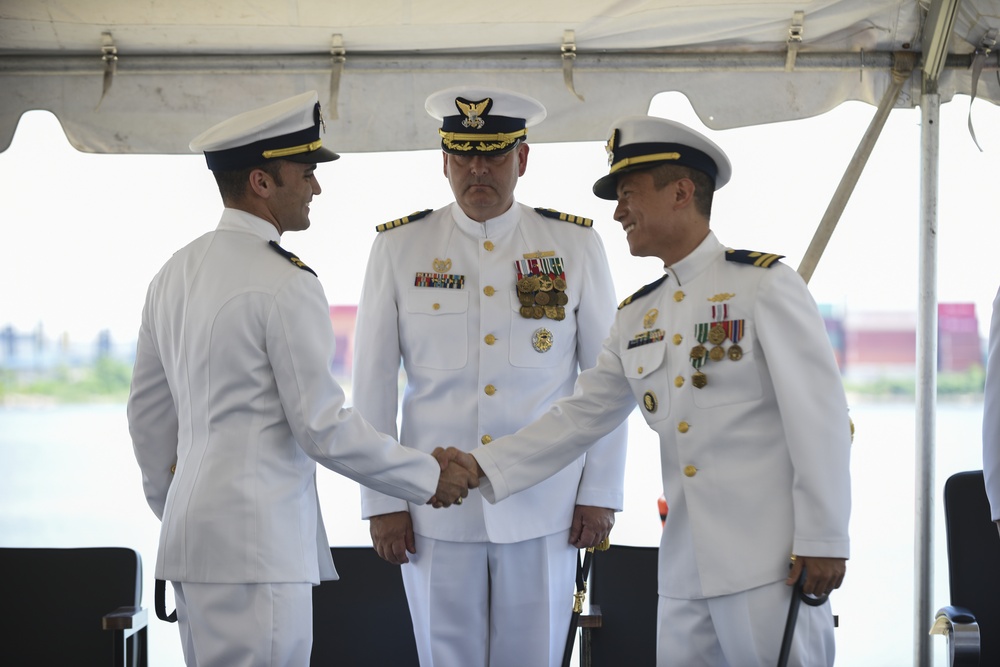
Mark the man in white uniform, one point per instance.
(233, 403)
(991, 416)
(728, 359)
(493, 307)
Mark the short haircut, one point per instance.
(704, 188)
(233, 184)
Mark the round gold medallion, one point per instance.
(561, 299)
(544, 282)
(527, 312)
(735, 352)
(526, 299)
(559, 284)
(537, 312)
(717, 353)
(542, 298)
(649, 401)
(716, 335)
(524, 285)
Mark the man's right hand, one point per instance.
(458, 475)
(392, 536)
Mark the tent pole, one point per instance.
(901, 71)
(926, 386)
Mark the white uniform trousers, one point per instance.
(742, 630)
(245, 625)
(479, 604)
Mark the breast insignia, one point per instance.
(643, 291)
(565, 217)
(761, 259)
(290, 257)
(399, 222)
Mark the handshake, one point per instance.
(459, 473)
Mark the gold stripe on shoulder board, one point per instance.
(399, 222)
(565, 217)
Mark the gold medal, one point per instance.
(524, 286)
(559, 284)
(717, 353)
(698, 352)
(537, 312)
(544, 283)
(735, 352)
(551, 312)
(527, 312)
(560, 313)
(541, 340)
(526, 299)
(542, 298)
(716, 335)
(699, 380)
(561, 299)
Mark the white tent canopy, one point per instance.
(141, 76)
(144, 76)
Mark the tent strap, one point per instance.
(568, 58)
(903, 65)
(338, 56)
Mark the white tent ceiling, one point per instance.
(185, 64)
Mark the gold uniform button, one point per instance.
(489, 291)
(639, 370)
(436, 306)
(678, 339)
(486, 439)
(679, 381)
(683, 427)
(678, 296)
(489, 246)
(690, 471)
(490, 390)
(490, 339)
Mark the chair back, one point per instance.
(55, 599)
(623, 583)
(362, 618)
(974, 557)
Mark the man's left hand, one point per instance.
(591, 526)
(823, 575)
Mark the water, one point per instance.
(68, 479)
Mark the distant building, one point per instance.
(959, 344)
(884, 344)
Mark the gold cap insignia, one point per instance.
(473, 111)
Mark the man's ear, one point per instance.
(261, 183)
(684, 191)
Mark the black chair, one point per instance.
(72, 607)
(972, 621)
(362, 619)
(620, 626)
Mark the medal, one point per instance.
(560, 313)
(559, 284)
(735, 352)
(527, 312)
(717, 353)
(541, 340)
(699, 380)
(561, 299)
(716, 335)
(542, 298)
(544, 283)
(537, 312)
(698, 354)
(526, 299)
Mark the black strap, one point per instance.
(582, 572)
(160, 603)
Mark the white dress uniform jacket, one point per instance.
(991, 414)
(232, 382)
(473, 373)
(755, 464)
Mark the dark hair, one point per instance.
(704, 188)
(233, 183)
